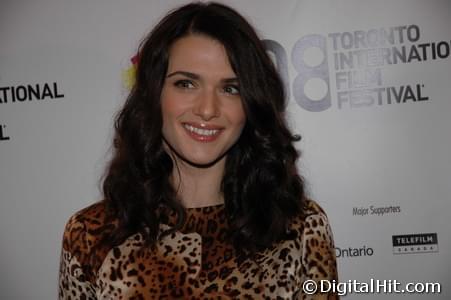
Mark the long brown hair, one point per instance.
(261, 185)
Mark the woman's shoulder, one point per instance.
(317, 243)
(85, 231)
(311, 207)
(313, 222)
(88, 220)
(84, 249)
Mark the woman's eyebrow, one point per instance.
(197, 77)
(184, 73)
(230, 80)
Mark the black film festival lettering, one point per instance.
(30, 92)
(25, 93)
(3, 135)
(358, 60)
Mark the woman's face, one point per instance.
(203, 114)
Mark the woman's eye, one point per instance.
(232, 89)
(184, 84)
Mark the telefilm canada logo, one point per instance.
(3, 135)
(347, 70)
(415, 243)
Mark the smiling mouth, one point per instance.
(202, 134)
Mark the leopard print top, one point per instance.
(193, 263)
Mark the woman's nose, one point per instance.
(207, 105)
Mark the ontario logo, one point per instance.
(415, 243)
(129, 75)
(354, 252)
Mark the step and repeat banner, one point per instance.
(369, 86)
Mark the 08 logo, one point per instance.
(307, 73)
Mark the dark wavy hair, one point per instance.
(261, 186)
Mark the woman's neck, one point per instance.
(198, 187)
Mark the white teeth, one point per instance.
(206, 132)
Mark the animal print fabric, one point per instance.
(196, 262)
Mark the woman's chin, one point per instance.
(202, 162)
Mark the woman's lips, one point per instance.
(203, 132)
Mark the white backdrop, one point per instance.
(378, 167)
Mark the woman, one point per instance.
(202, 197)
